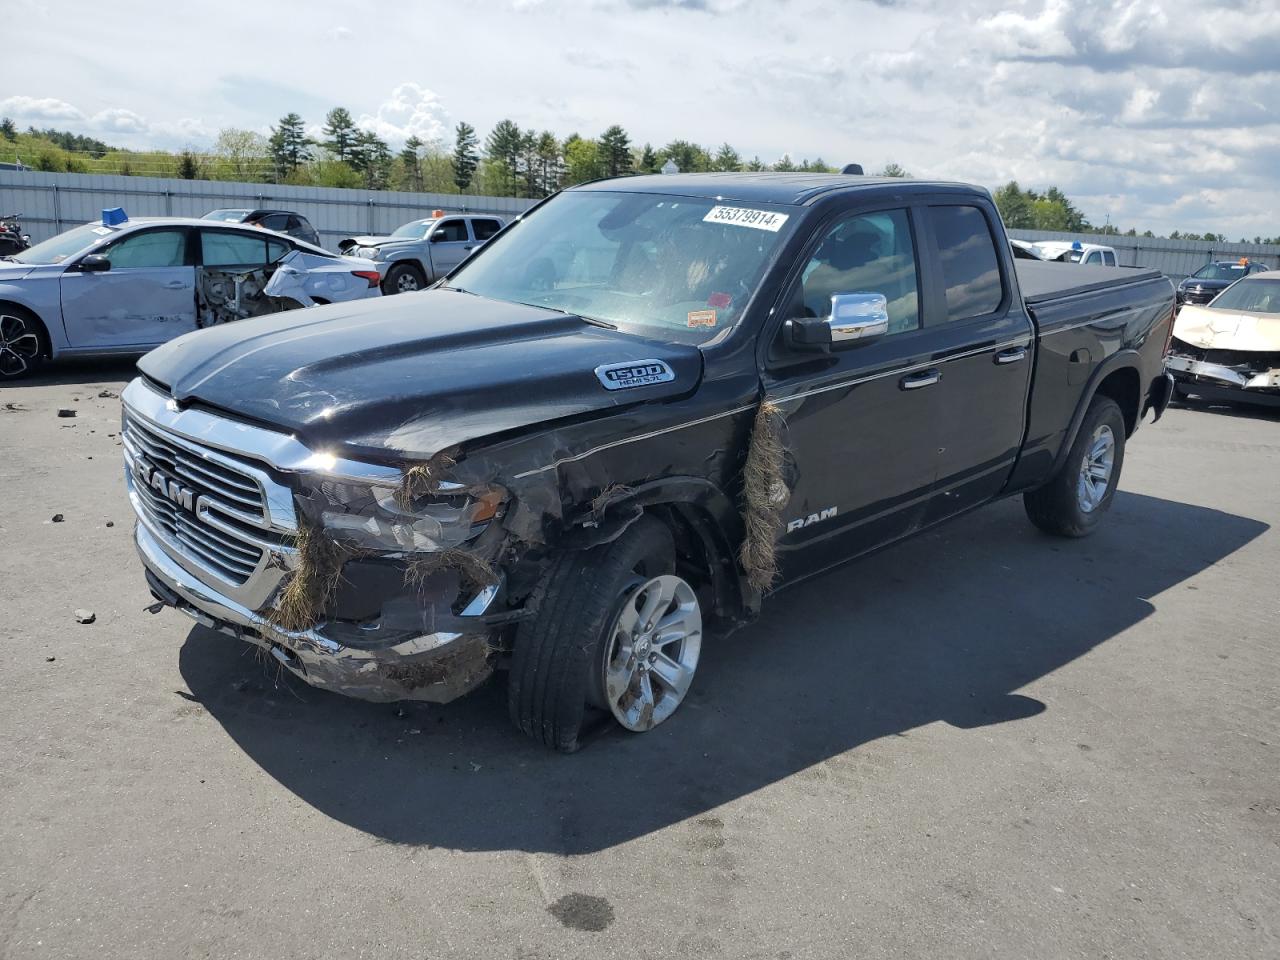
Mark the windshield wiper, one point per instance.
(594, 321)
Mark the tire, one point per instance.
(403, 278)
(1070, 505)
(24, 343)
(558, 688)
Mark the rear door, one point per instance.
(451, 243)
(146, 298)
(983, 338)
(482, 228)
(860, 422)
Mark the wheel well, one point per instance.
(1125, 388)
(703, 557)
(46, 348)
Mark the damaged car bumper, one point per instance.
(1219, 381)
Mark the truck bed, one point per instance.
(1044, 281)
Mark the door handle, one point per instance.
(176, 285)
(468, 248)
(1012, 355)
(917, 380)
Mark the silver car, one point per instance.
(125, 287)
(420, 252)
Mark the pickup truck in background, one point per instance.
(1073, 251)
(420, 252)
(644, 407)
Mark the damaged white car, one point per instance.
(1229, 349)
(124, 286)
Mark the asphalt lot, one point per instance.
(980, 743)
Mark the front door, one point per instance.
(860, 429)
(147, 297)
(450, 245)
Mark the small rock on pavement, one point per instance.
(50, 659)
(108, 394)
(56, 518)
(66, 412)
(85, 616)
(111, 523)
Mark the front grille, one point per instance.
(207, 509)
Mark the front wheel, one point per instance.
(403, 278)
(1073, 502)
(22, 343)
(617, 634)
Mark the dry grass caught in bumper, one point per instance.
(762, 485)
(311, 585)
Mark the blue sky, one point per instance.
(1155, 114)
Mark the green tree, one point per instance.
(648, 162)
(371, 156)
(465, 158)
(411, 164)
(288, 144)
(188, 166)
(892, 169)
(689, 157)
(615, 152)
(503, 147)
(334, 173)
(9, 129)
(1014, 207)
(550, 162)
(726, 159)
(581, 160)
(340, 133)
(756, 165)
(784, 164)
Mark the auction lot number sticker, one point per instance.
(746, 217)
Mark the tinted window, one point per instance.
(276, 249)
(1220, 271)
(871, 253)
(154, 248)
(1108, 258)
(452, 231)
(276, 221)
(1095, 256)
(484, 229)
(970, 269)
(225, 249)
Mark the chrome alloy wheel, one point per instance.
(652, 652)
(1095, 469)
(19, 345)
(407, 282)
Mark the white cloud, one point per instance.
(410, 111)
(36, 110)
(118, 120)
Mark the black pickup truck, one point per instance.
(641, 408)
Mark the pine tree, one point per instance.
(9, 129)
(289, 144)
(727, 159)
(188, 166)
(551, 166)
(465, 158)
(648, 160)
(411, 161)
(503, 148)
(340, 133)
(615, 152)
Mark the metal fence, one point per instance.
(1174, 258)
(53, 202)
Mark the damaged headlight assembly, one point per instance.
(384, 519)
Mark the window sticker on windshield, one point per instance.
(702, 318)
(745, 217)
(721, 301)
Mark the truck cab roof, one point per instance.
(794, 189)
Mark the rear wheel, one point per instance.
(23, 343)
(617, 635)
(403, 278)
(1073, 502)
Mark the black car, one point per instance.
(1211, 279)
(281, 221)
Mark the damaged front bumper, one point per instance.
(438, 666)
(1217, 381)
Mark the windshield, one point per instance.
(56, 249)
(413, 231)
(1251, 296)
(227, 216)
(676, 268)
(1220, 271)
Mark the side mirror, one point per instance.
(93, 263)
(437, 237)
(855, 318)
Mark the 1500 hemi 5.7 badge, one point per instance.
(638, 373)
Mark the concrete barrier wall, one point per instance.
(53, 202)
(1174, 258)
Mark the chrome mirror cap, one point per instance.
(858, 316)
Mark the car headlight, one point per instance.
(369, 253)
(372, 516)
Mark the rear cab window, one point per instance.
(484, 229)
(970, 266)
(224, 248)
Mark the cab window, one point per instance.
(867, 253)
(151, 248)
(970, 268)
(451, 231)
(484, 229)
(223, 248)
(1108, 258)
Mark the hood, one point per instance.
(1206, 284)
(403, 377)
(373, 241)
(1228, 329)
(11, 270)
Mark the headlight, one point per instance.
(369, 516)
(369, 253)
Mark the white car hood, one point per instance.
(1228, 329)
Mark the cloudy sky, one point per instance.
(1154, 113)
